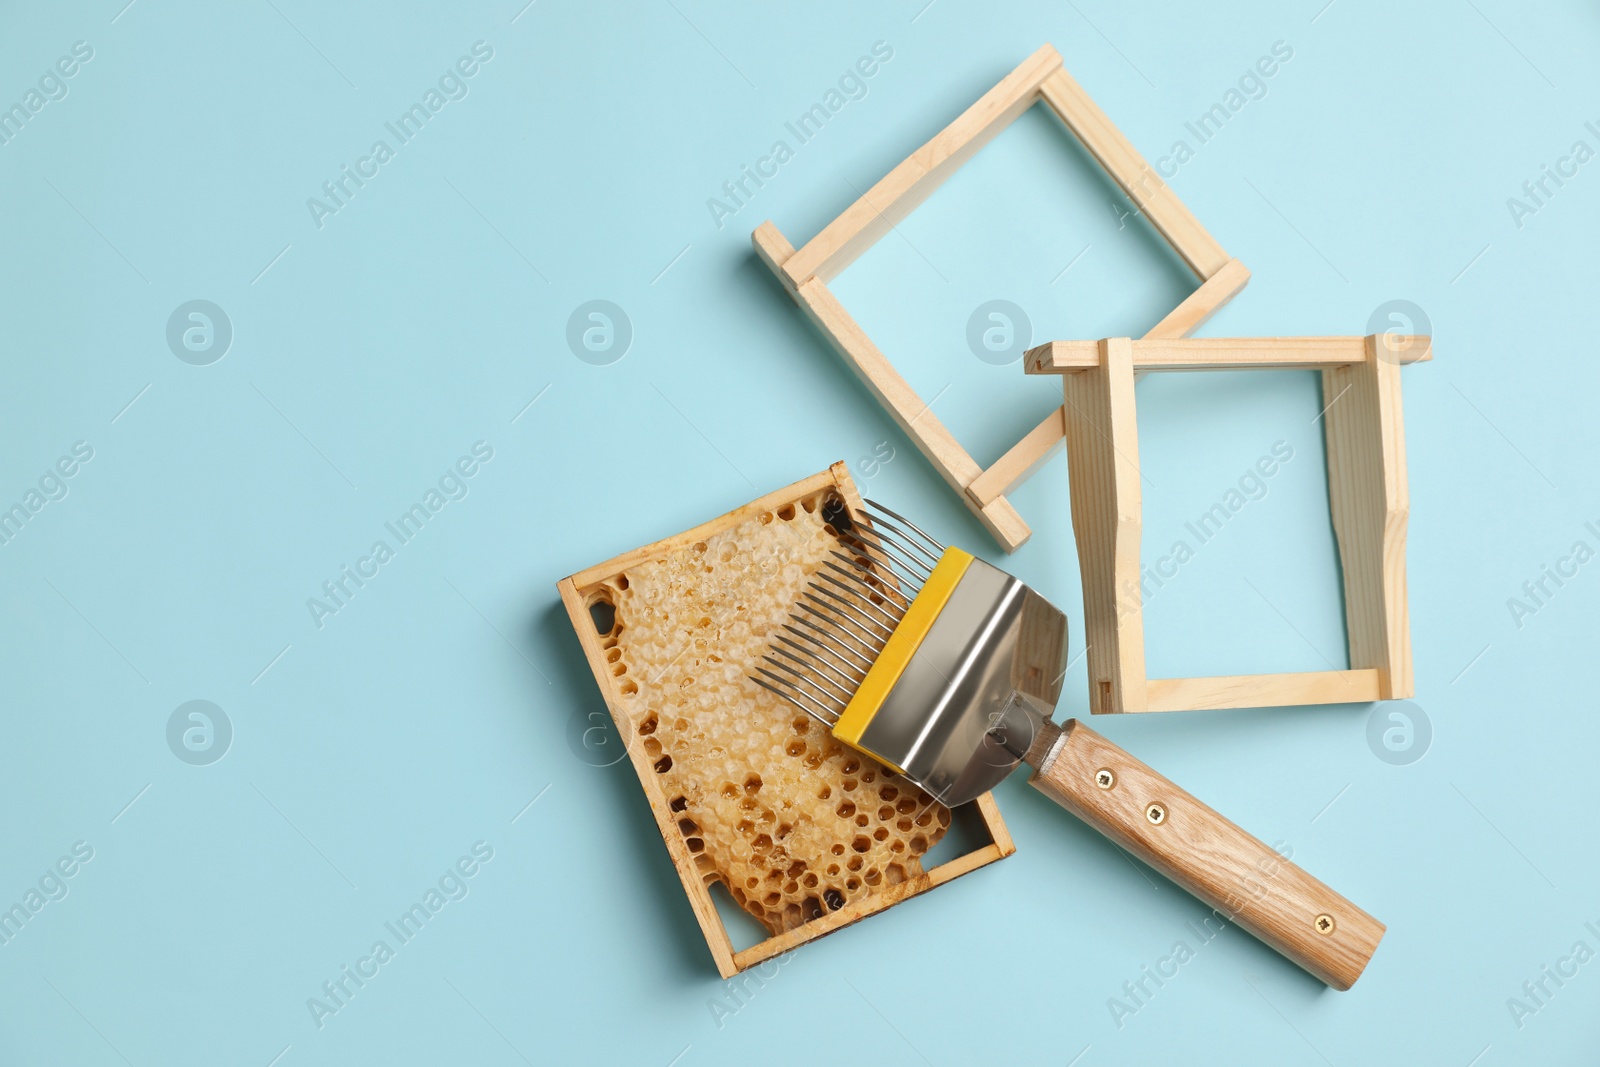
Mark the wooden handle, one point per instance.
(1236, 874)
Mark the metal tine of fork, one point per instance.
(842, 624)
(890, 568)
(826, 675)
(883, 565)
(881, 608)
(889, 531)
(845, 631)
(860, 601)
(848, 609)
(893, 523)
(865, 579)
(834, 690)
(844, 661)
(919, 531)
(870, 637)
(870, 527)
(814, 660)
(789, 682)
(850, 654)
(827, 644)
(825, 653)
(866, 563)
(893, 548)
(880, 578)
(893, 600)
(870, 586)
(796, 679)
(817, 692)
(784, 695)
(786, 698)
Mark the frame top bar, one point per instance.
(1232, 353)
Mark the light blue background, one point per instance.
(369, 354)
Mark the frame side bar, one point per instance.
(1130, 171)
(1370, 499)
(899, 192)
(1106, 500)
(1358, 686)
(910, 413)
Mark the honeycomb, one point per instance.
(794, 823)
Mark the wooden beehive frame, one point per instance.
(806, 272)
(578, 593)
(1367, 493)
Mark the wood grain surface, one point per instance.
(1209, 856)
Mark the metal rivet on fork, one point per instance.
(1324, 923)
(1156, 813)
(1105, 778)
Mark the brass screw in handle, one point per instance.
(1105, 778)
(1324, 923)
(1156, 813)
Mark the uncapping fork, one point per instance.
(947, 670)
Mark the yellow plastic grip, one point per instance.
(901, 646)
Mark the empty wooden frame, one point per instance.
(1366, 488)
(806, 272)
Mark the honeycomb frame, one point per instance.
(582, 590)
(805, 272)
